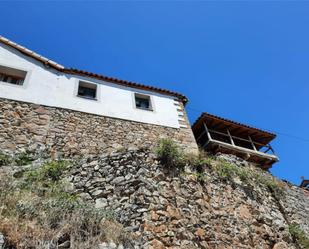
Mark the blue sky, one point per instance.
(243, 60)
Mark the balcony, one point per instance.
(215, 134)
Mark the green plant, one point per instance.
(226, 170)
(42, 213)
(170, 155)
(273, 185)
(299, 235)
(4, 159)
(49, 171)
(23, 159)
(199, 161)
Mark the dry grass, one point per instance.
(35, 212)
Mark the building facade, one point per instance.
(45, 105)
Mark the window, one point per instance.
(12, 75)
(143, 102)
(87, 90)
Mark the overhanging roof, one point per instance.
(61, 68)
(238, 129)
(304, 184)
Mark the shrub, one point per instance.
(170, 155)
(272, 184)
(299, 235)
(199, 161)
(49, 171)
(43, 215)
(225, 170)
(4, 159)
(23, 159)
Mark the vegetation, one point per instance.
(299, 235)
(37, 212)
(4, 159)
(49, 171)
(171, 156)
(23, 159)
(20, 159)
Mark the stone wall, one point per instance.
(296, 207)
(163, 209)
(61, 132)
(179, 211)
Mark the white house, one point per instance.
(26, 77)
(29, 77)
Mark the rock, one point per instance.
(103, 245)
(200, 232)
(97, 193)
(112, 245)
(118, 180)
(64, 245)
(281, 245)
(156, 244)
(2, 241)
(85, 196)
(101, 203)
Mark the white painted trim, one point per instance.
(98, 90)
(152, 104)
(26, 80)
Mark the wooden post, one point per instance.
(232, 141)
(271, 148)
(252, 143)
(207, 132)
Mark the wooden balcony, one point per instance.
(215, 134)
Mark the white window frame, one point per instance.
(26, 80)
(142, 95)
(97, 97)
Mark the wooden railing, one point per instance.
(231, 140)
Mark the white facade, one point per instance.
(53, 88)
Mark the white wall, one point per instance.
(52, 88)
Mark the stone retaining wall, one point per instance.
(161, 209)
(180, 212)
(61, 132)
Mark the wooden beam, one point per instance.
(253, 146)
(207, 132)
(231, 139)
(200, 136)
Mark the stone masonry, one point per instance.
(166, 211)
(61, 132)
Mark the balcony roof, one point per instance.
(304, 184)
(237, 129)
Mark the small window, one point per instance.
(87, 90)
(143, 102)
(12, 75)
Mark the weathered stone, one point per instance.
(156, 244)
(281, 245)
(64, 245)
(101, 203)
(67, 132)
(200, 232)
(178, 211)
(97, 193)
(118, 180)
(2, 241)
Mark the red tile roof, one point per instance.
(61, 68)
